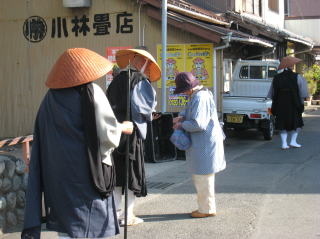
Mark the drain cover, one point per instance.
(159, 185)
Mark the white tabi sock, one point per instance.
(284, 135)
(293, 142)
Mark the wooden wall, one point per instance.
(25, 65)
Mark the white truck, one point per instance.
(246, 105)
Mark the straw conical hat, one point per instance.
(288, 61)
(153, 70)
(77, 66)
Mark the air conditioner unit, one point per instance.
(77, 3)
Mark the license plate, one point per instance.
(238, 119)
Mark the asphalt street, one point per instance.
(265, 192)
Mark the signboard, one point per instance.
(36, 28)
(111, 52)
(179, 100)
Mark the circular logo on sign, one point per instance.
(34, 29)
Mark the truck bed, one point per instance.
(245, 104)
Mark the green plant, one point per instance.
(312, 75)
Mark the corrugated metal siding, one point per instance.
(24, 66)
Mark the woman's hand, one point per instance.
(177, 125)
(177, 119)
(127, 127)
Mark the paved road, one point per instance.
(265, 192)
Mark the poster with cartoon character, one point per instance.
(199, 62)
(199, 70)
(171, 69)
(175, 62)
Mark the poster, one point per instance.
(194, 58)
(175, 62)
(179, 100)
(111, 56)
(199, 61)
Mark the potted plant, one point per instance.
(312, 75)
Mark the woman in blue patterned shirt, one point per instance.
(205, 157)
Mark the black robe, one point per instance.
(286, 104)
(117, 96)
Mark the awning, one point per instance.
(253, 41)
(269, 30)
(191, 10)
(207, 31)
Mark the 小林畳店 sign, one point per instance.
(35, 28)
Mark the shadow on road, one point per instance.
(166, 217)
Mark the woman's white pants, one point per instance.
(204, 185)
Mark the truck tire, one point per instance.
(268, 131)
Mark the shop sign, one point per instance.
(35, 27)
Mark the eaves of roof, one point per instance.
(191, 10)
(269, 30)
(207, 31)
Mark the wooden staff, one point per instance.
(126, 168)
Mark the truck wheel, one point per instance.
(268, 131)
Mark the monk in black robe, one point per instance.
(143, 103)
(288, 91)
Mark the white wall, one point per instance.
(271, 17)
(305, 27)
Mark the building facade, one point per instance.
(36, 32)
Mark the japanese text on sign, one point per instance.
(35, 27)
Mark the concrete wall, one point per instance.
(24, 65)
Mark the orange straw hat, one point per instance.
(77, 66)
(124, 56)
(288, 61)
